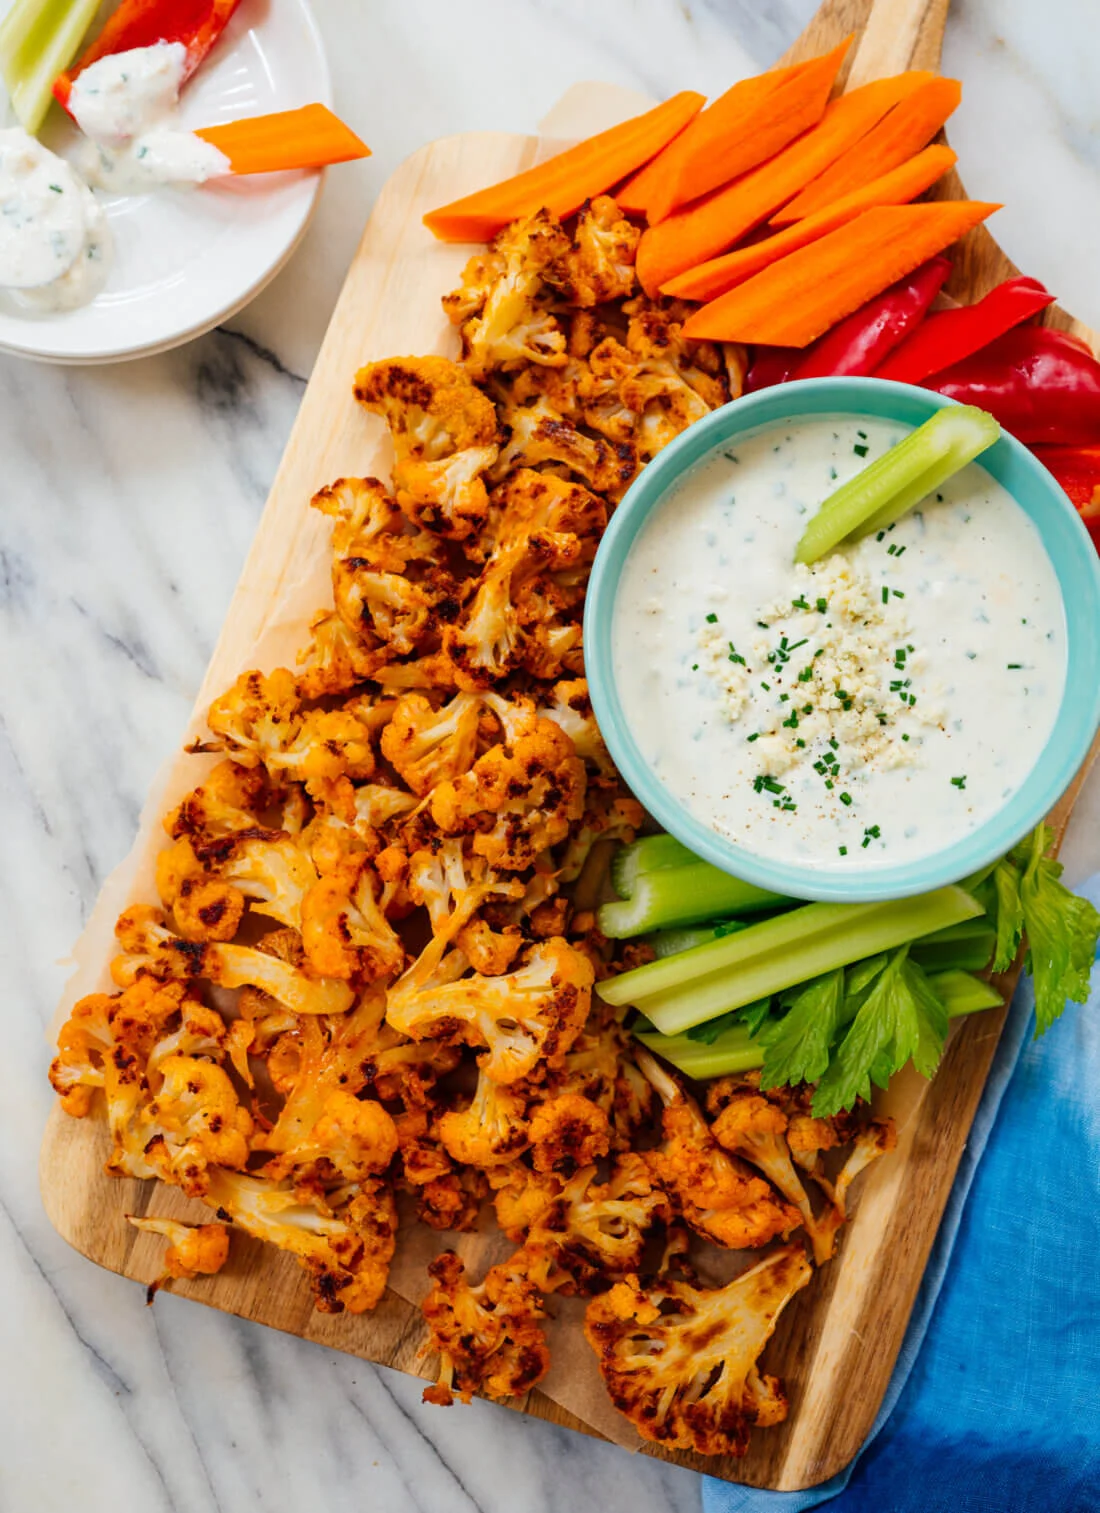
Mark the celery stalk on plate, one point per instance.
(38, 41)
(891, 485)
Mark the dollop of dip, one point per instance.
(875, 706)
(55, 245)
(125, 104)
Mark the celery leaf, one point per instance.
(796, 1047)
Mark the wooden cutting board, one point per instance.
(838, 1341)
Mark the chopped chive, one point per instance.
(800, 603)
(1014, 666)
(958, 782)
(712, 619)
(860, 450)
(843, 850)
(845, 798)
(756, 736)
(885, 595)
(821, 605)
(897, 593)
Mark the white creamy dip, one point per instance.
(125, 104)
(55, 246)
(870, 709)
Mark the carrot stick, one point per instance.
(907, 128)
(746, 126)
(708, 226)
(307, 138)
(563, 183)
(637, 193)
(895, 188)
(795, 300)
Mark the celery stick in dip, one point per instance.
(867, 710)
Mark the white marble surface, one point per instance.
(128, 496)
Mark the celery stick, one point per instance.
(686, 990)
(899, 479)
(736, 1051)
(651, 853)
(968, 946)
(38, 41)
(680, 896)
(672, 942)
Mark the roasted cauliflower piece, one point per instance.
(227, 801)
(445, 435)
(150, 948)
(567, 1132)
(193, 1249)
(531, 1015)
(488, 1338)
(427, 745)
(353, 1139)
(540, 435)
(748, 1125)
(345, 933)
(491, 1130)
(599, 266)
(681, 1362)
(193, 1122)
(541, 525)
(515, 803)
(501, 307)
(578, 1234)
(346, 1251)
(716, 1194)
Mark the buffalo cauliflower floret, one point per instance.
(681, 1362)
(488, 1338)
(541, 435)
(229, 799)
(106, 1042)
(599, 266)
(346, 1253)
(501, 307)
(193, 1122)
(345, 933)
(515, 803)
(444, 435)
(717, 1195)
(530, 1015)
(577, 1234)
(336, 658)
(149, 947)
(491, 1130)
(749, 1126)
(541, 525)
(353, 1139)
(567, 1132)
(571, 707)
(426, 745)
(193, 1249)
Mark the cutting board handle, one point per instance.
(899, 34)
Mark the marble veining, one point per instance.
(128, 498)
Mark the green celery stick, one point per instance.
(680, 896)
(736, 1051)
(38, 41)
(650, 853)
(695, 986)
(687, 937)
(968, 946)
(899, 479)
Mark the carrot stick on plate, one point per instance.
(311, 137)
(895, 188)
(907, 128)
(746, 126)
(803, 295)
(563, 183)
(709, 225)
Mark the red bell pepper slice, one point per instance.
(949, 336)
(142, 23)
(1077, 469)
(859, 343)
(1042, 385)
(772, 365)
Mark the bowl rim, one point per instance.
(1076, 566)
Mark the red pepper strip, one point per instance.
(1042, 385)
(142, 23)
(772, 365)
(857, 344)
(950, 335)
(1077, 469)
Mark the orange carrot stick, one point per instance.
(795, 300)
(637, 193)
(563, 183)
(907, 128)
(708, 226)
(746, 126)
(307, 138)
(895, 188)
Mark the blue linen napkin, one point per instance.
(992, 1407)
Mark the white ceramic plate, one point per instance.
(186, 259)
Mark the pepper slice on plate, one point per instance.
(949, 336)
(866, 337)
(1042, 385)
(143, 23)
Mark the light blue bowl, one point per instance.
(1071, 552)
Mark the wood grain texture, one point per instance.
(838, 1341)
